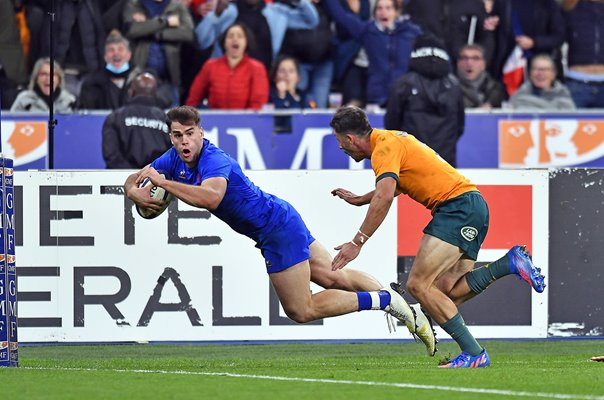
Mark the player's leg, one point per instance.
(291, 285)
(357, 281)
(453, 282)
(464, 282)
(346, 279)
(287, 251)
(435, 259)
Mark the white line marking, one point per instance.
(340, 382)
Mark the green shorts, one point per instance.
(462, 221)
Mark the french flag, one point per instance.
(513, 70)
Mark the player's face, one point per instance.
(347, 145)
(188, 142)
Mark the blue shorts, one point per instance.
(462, 221)
(288, 244)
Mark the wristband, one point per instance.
(364, 234)
(354, 244)
(362, 237)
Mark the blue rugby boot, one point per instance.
(522, 265)
(465, 360)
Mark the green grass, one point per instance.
(544, 369)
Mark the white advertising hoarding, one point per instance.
(92, 270)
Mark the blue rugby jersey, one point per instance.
(245, 207)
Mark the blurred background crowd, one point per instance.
(424, 62)
(254, 54)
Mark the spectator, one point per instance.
(113, 14)
(35, 19)
(313, 48)
(13, 72)
(233, 81)
(268, 21)
(157, 28)
(284, 94)
(350, 59)
(542, 91)
(79, 37)
(427, 101)
(37, 97)
(456, 23)
(136, 134)
(388, 42)
(535, 26)
(107, 89)
(479, 89)
(192, 57)
(585, 74)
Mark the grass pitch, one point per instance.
(532, 369)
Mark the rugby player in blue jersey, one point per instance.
(206, 177)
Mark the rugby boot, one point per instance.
(424, 330)
(465, 360)
(399, 308)
(522, 265)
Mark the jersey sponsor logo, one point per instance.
(469, 233)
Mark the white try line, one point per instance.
(340, 382)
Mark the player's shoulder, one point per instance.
(385, 136)
(212, 151)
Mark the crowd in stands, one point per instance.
(291, 54)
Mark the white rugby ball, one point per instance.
(156, 192)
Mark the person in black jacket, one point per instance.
(456, 23)
(107, 89)
(78, 40)
(427, 101)
(136, 134)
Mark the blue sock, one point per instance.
(373, 300)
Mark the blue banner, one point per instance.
(490, 140)
(9, 346)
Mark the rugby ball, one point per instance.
(156, 192)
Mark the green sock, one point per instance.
(480, 278)
(456, 327)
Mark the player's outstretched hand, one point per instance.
(348, 252)
(348, 196)
(148, 172)
(599, 358)
(140, 195)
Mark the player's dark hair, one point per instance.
(185, 115)
(351, 119)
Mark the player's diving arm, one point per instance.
(208, 195)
